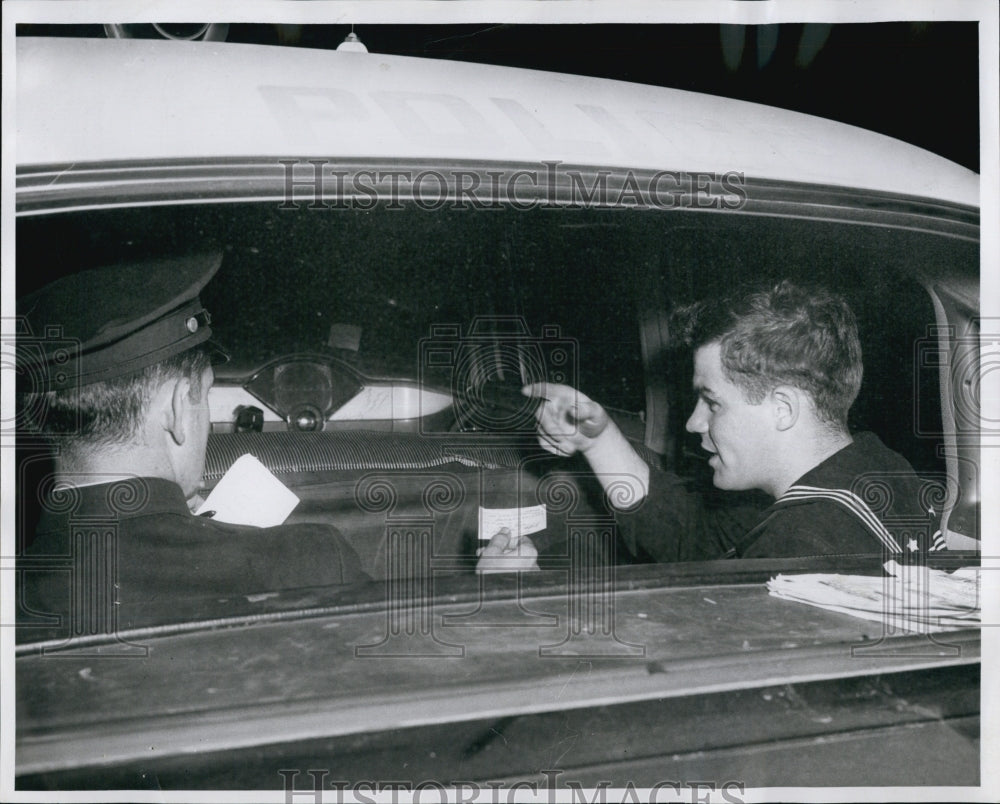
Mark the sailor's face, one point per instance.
(735, 432)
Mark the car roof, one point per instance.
(94, 101)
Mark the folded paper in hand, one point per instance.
(249, 494)
(911, 598)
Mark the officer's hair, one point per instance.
(783, 335)
(109, 413)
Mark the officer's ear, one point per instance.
(177, 400)
(787, 404)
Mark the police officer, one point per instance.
(118, 371)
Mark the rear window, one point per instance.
(374, 287)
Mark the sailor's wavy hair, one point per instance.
(786, 334)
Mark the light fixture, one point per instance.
(352, 44)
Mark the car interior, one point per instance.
(389, 345)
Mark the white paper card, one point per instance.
(249, 494)
(520, 521)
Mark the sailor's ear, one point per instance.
(787, 403)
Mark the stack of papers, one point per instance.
(912, 598)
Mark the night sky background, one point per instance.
(915, 81)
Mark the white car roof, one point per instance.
(92, 101)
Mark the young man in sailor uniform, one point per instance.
(775, 373)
